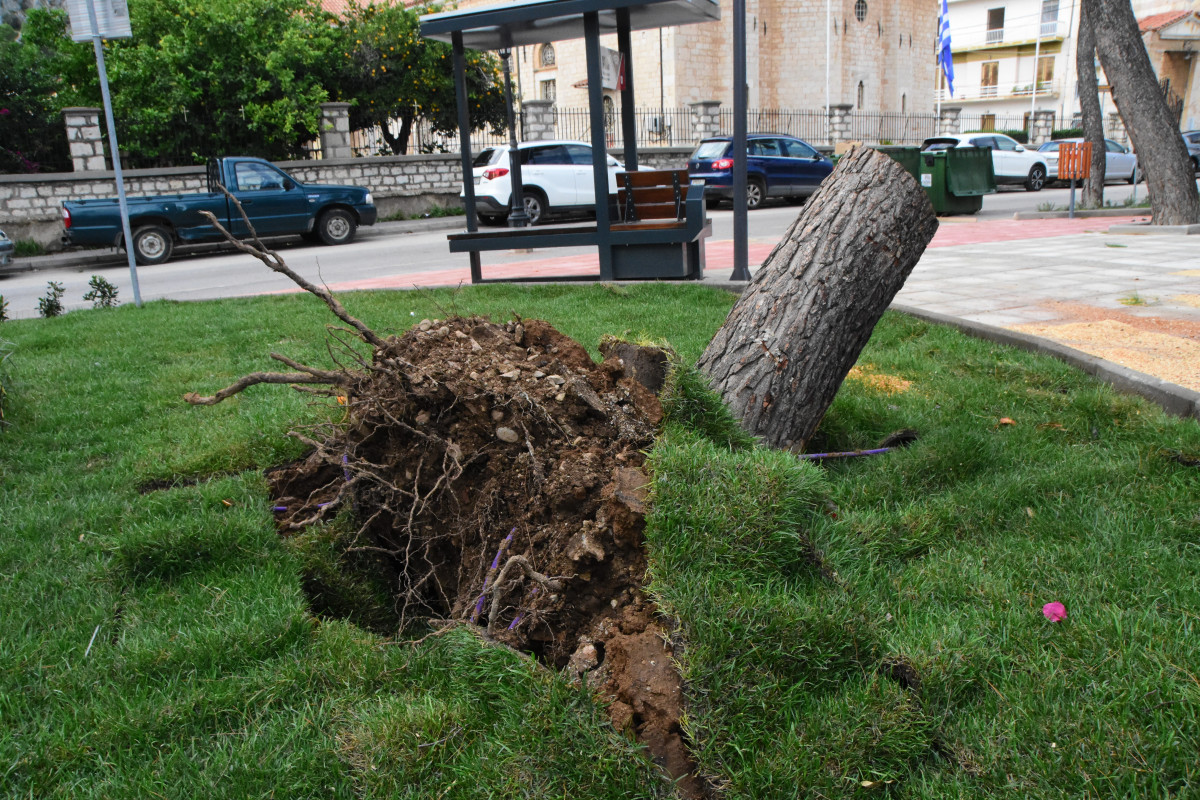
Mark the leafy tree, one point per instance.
(391, 73)
(32, 137)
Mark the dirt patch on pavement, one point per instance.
(496, 472)
(1164, 347)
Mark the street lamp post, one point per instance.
(519, 217)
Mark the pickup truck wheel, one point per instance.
(336, 226)
(152, 244)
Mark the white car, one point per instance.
(1011, 161)
(1120, 164)
(556, 178)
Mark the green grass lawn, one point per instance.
(866, 620)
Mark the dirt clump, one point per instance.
(497, 472)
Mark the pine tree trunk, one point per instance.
(798, 328)
(1089, 104)
(1143, 108)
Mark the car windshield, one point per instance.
(711, 149)
(1049, 147)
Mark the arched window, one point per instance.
(903, 103)
(861, 93)
(546, 56)
(860, 10)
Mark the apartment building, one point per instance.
(1014, 58)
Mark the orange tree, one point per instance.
(392, 77)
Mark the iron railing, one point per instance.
(809, 124)
(893, 127)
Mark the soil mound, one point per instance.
(496, 470)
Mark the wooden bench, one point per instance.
(657, 231)
(662, 226)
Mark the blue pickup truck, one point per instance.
(275, 203)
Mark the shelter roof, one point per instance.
(1156, 21)
(540, 21)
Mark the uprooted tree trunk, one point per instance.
(799, 327)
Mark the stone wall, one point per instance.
(30, 204)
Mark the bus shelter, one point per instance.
(539, 22)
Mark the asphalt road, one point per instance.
(385, 251)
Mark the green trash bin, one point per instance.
(907, 157)
(956, 179)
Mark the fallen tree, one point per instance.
(799, 327)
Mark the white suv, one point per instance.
(1011, 162)
(556, 177)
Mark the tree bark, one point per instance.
(1089, 103)
(1143, 108)
(798, 328)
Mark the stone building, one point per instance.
(880, 57)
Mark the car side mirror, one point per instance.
(288, 184)
(1020, 148)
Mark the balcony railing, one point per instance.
(995, 36)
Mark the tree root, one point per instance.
(552, 584)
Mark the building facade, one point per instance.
(875, 55)
(1015, 58)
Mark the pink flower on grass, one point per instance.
(1055, 612)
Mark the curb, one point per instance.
(1146, 229)
(1083, 214)
(108, 257)
(1173, 398)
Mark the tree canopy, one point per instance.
(391, 73)
(232, 76)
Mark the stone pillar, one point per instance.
(335, 130)
(1115, 129)
(839, 123)
(706, 119)
(538, 121)
(1041, 127)
(948, 121)
(85, 139)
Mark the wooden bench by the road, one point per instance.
(666, 215)
(657, 231)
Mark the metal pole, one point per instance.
(122, 203)
(828, 58)
(464, 146)
(741, 256)
(628, 108)
(1037, 52)
(518, 217)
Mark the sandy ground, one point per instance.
(1160, 346)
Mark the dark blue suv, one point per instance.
(776, 166)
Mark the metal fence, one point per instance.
(893, 127)
(993, 122)
(656, 127)
(811, 125)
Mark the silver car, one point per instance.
(1120, 163)
(6, 249)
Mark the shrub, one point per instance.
(1066, 133)
(103, 294)
(51, 304)
(1021, 136)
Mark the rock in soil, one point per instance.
(468, 444)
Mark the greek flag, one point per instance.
(945, 60)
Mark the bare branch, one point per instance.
(274, 262)
(253, 379)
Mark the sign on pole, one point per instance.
(112, 20)
(96, 20)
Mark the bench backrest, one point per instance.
(652, 194)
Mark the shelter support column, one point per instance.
(464, 145)
(591, 36)
(628, 117)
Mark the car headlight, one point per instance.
(367, 199)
